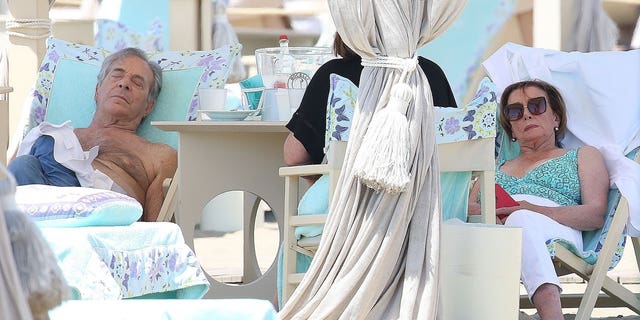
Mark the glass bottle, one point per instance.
(284, 65)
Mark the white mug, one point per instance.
(212, 99)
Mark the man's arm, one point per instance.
(166, 168)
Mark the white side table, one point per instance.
(215, 157)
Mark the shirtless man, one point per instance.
(128, 85)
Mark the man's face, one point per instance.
(124, 92)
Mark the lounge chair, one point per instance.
(603, 114)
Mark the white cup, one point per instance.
(212, 99)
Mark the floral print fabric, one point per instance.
(215, 64)
(113, 36)
(476, 120)
(121, 262)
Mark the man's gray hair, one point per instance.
(154, 90)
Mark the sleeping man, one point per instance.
(108, 154)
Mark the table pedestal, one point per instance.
(215, 157)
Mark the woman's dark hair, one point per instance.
(341, 49)
(555, 102)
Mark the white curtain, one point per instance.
(593, 29)
(25, 257)
(222, 33)
(379, 253)
(13, 301)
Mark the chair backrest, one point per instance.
(592, 240)
(455, 129)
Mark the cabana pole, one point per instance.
(28, 27)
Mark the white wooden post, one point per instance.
(28, 27)
(552, 23)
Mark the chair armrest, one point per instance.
(306, 170)
(170, 203)
(296, 221)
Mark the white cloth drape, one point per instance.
(222, 33)
(41, 284)
(635, 39)
(600, 90)
(13, 302)
(379, 253)
(593, 29)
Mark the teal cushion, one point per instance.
(253, 98)
(314, 201)
(73, 100)
(52, 206)
(190, 70)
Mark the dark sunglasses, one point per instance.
(515, 111)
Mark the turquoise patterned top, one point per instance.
(555, 179)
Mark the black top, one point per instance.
(308, 123)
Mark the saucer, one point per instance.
(233, 115)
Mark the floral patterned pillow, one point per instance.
(214, 64)
(113, 36)
(53, 206)
(476, 120)
(343, 95)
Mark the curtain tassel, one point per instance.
(382, 162)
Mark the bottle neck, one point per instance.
(284, 46)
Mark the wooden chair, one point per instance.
(454, 157)
(603, 114)
(467, 152)
(608, 244)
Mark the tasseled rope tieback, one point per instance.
(14, 25)
(382, 162)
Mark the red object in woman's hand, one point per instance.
(503, 199)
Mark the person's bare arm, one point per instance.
(474, 207)
(294, 152)
(594, 183)
(166, 168)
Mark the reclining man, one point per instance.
(108, 154)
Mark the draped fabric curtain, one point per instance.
(593, 29)
(222, 33)
(379, 253)
(29, 273)
(13, 302)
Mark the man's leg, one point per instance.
(27, 170)
(52, 172)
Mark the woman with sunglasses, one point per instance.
(560, 192)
